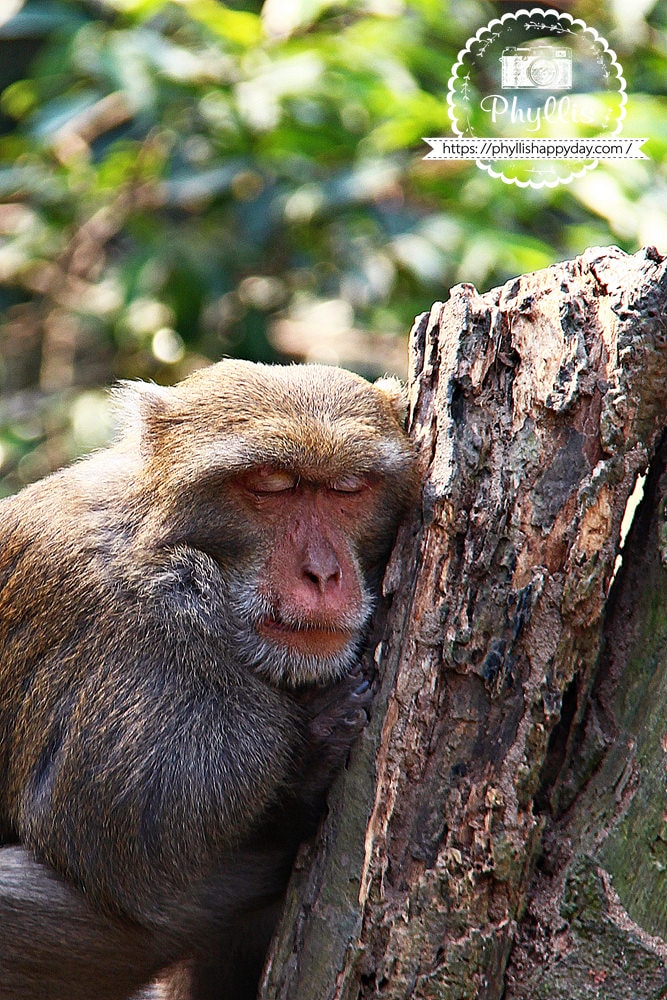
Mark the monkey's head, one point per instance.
(290, 483)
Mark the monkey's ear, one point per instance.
(142, 409)
(396, 394)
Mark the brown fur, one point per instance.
(154, 751)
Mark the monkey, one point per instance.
(181, 619)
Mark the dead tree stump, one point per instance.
(501, 830)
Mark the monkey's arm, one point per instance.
(148, 797)
(52, 944)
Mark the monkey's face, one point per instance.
(306, 607)
(292, 480)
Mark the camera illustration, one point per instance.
(543, 67)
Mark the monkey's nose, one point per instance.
(324, 575)
(320, 566)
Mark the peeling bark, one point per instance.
(478, 842)
(596, 919)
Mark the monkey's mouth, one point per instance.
(312, 638)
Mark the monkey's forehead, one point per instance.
(309, 417)
(315, 448)
(321, 422)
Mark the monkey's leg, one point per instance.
(53, 945)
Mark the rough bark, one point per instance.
(502, 824)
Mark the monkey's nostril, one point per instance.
(323, 579)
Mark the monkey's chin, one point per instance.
(310, 641)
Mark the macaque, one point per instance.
(181, 618)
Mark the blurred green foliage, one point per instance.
(185, 180)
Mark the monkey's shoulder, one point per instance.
(79, 531)
(81, 506)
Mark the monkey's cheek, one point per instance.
(307, 642)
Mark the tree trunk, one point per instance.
(501, 830)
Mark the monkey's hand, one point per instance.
(339, 712)
(336, 714)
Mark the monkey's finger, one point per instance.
(362, 688)
(357, 720)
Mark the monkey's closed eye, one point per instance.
(350, 484)
(270, 481)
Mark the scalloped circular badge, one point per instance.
(529, 79)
